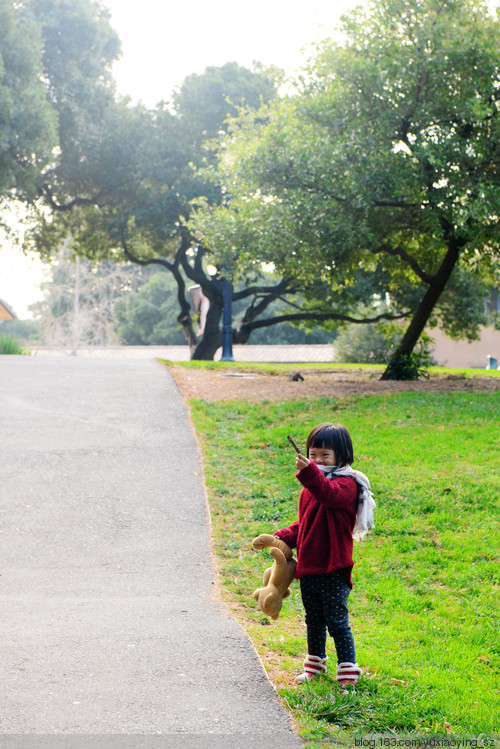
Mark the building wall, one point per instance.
(463, 354)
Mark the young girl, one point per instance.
(335, 505)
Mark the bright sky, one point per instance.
(163, 42)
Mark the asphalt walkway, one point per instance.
(111, 630)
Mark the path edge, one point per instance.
(215, 562)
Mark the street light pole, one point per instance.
(227, 323)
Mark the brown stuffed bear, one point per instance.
(277, 578)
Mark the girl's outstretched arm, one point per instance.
(339, 494)
(289, 535)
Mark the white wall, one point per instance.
(463, 354)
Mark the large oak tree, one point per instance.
(384, 164)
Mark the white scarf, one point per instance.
(366, 503)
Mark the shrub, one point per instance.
(10, 345)
(376, 344)
(362, 344)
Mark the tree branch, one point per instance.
(282, 287)
(212, 288)
(152, 261)
(73, 203)
(412, 262)
(312, 187)
(184, 316)
(246, 328)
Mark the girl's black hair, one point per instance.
(334, 437)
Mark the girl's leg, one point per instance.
(311, 590)
(337, 616)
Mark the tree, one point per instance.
(123, 180)
(131, 194)
(27, 123)
(148, 316)
(78, 51)
(385, 162)
(77, 308)
(204, 103)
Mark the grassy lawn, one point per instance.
(322, 367)
(424, 607)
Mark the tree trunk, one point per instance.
(206, 347)
(395, 368)
(76, 328)
(188, 329)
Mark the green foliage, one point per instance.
(204, 102)
(424, 607)
(376, 344)
(380, 172)
(122, 185)
(25, 330)
(79, 49)
(10, 345)
(27, 124)
(362, 344)
(148, 316)
(462, 306)
(282, 333)
(357, 187)
(128, 170)
(410, 366)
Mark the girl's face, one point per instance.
(322, 456)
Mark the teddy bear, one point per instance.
(277, 578)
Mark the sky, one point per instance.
(165, 41)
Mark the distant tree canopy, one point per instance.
(148, 316)
(203, 103)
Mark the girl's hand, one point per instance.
(301, 462)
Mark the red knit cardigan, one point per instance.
(323, 533)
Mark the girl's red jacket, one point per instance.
(323, 533)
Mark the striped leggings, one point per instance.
(325, 603)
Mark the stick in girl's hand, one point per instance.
(293, 444)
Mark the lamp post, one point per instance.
(227, 323)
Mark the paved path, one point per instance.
(109, 618)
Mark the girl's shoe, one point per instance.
(313, 666)
(348, 673)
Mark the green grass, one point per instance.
(322, 367)
(11, 345)
(424, 607)
(275, 368)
